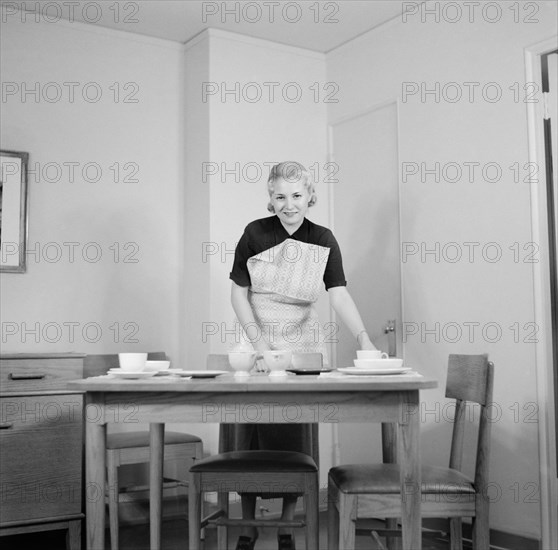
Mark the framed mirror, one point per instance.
(13, 211)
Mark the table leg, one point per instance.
(95, 451)
(156, 445)
(410, 472)
(389, 456)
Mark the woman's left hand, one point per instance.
(366, 343)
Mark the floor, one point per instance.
(175, 537)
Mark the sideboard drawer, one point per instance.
(40, 456)
(38, 374)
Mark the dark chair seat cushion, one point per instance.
(141, 439)
(256, 461)
(384, 479)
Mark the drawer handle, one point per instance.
(6, 425)
(13, 376)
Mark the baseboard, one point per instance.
(499, 540)
(134, 510)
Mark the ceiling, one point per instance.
(316, 25)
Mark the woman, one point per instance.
(279, 265)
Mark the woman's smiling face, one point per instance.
(290, 200)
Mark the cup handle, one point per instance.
(384, 355)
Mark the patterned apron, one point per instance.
(286, 282)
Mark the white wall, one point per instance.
(100, 296)
(232, 140)
(370, 70)
(251, 135)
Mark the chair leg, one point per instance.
(393, 543)
(347, 520)
(332, 516)
(456, 539)
(73, 536)
(481, 526)
(222, 532)
(378, 541)
(113, 496)
(194, 511)
(311, 504)
(198, 455)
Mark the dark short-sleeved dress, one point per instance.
(285, 273)
(266, 233)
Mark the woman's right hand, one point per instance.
(260, 363)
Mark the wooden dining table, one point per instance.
(331, 398)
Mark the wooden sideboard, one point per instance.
(41, 445)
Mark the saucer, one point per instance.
(198, 373)
(131, 375)
(372, 372)
(309, 370)
(241, 374)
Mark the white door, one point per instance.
(366, 224)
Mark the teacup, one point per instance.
(371, 354)
(132, 361)
(277, 361)
(242, 362)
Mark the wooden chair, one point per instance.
(373, 490)
(267, 473)
(133, 448)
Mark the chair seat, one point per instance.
(128, 440)
(256, 461)
(384, 479)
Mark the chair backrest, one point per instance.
(98, 365)
(227, 432)
(471, 378)
(218, 361)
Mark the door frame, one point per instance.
(541, 293)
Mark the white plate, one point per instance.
(198, 373)
(278, 373)
(131, 375)
(368, 372)
(118, 370)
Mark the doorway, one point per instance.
(365, 195)
(541, 62)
